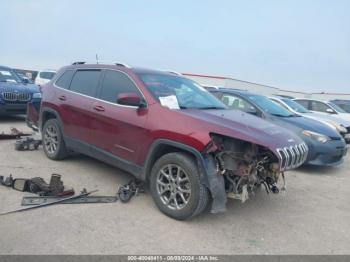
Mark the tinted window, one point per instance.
(65, 79)
(115, 83)
(85, 82)
(304, 103)
(47, 75)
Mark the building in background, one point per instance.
(221, 81)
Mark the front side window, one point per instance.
(269, 107)
(9, 76)
(318, 106)
(85, 82)
(295, 106)
(115, 83)
(179, 91)
(234, 102)
(65, 79)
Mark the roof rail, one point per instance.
(78, 63)
(173, 72)
(122, 64)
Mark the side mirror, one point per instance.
(329, 110)
(130, 99)
(20, 184)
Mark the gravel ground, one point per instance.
(312, 217)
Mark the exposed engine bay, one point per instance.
(244, 167)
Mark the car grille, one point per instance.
(293, 156)
(12, 96)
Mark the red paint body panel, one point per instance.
(128, 132)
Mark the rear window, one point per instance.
(47, 75)
(65, 79)
(85, 82)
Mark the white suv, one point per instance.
(44, 77)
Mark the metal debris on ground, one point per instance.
(61, 200)
(127, 191)
(27, 143)
(14, 134)
(37, 185)
(37, 200)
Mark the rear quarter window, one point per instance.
(86, 82)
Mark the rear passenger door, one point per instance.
(118, 129)
(76, 105)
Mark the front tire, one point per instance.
(52, 138)
(176, 188)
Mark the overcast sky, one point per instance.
(295, 45)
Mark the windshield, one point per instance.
(295, 106)
(178, 92)
(8, 76)
(337, 108)
(269, 107)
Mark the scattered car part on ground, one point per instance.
(14, 134)
(8, 181)
(326, 145)
(27, 143)
(37, 185)
(15, 92)
(61, 200)
(127, 191)
(39, 200)
(112, 112)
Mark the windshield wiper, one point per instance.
(211, 107)
(282, 115)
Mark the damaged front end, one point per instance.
(236, 169)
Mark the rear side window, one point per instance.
(115, 83)
(64, 80)
(85, 82)
(304, 103)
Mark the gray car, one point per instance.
(341, 125)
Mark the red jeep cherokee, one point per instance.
(167, 130)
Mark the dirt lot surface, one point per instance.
(313, 217)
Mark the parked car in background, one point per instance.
(15, 92)
(44, 77)
(168, 130)
(323, 107)
(341, 125)
(343, 104)
(326, 146)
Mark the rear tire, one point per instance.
(53, 142)
(176, 188)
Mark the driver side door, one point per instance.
(118, 130)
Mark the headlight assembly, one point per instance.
(316, 136)
(338, 127)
